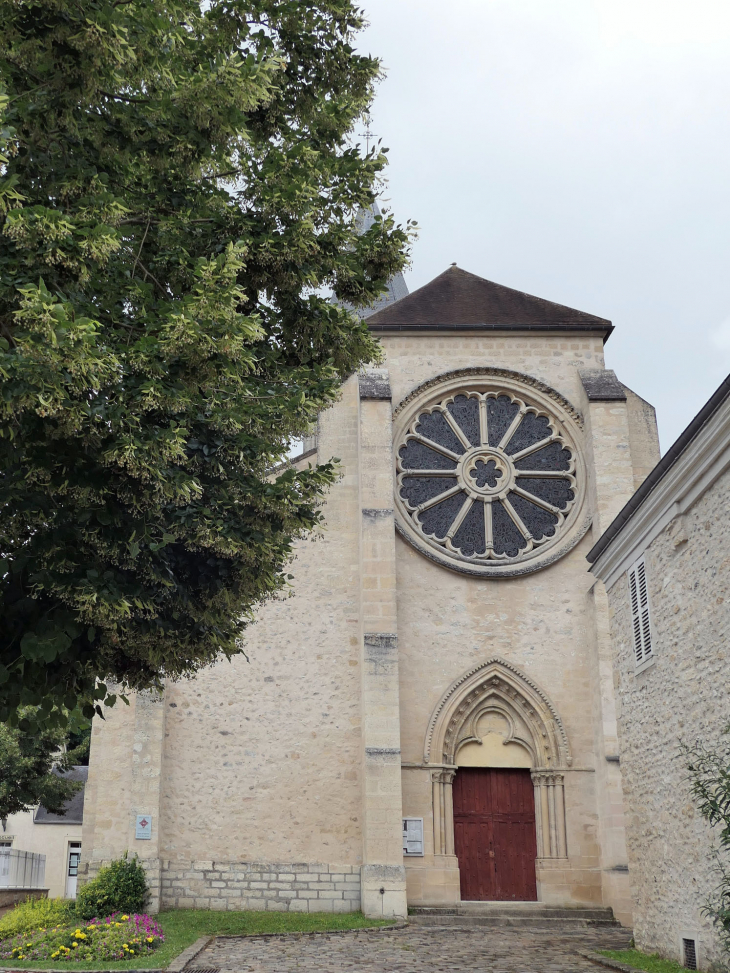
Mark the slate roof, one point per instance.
(675, 451)
(458, 300)
(396, 288)
(74, 808)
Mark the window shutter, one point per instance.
(413, 836)
(640, 611)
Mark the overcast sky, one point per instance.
(578, 150)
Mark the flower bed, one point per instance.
(118, 936)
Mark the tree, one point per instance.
(709, 768)
(30, 764)
(178, 192)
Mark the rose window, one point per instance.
(486, 478)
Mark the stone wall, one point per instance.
(262, 754)
(546, 623)
(266, 758)
(643, 436)
(260, 886)
(682, 697)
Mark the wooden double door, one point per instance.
(494, 834)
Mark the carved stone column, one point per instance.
(540, 817)
(443, 812)
(448, 776)
(550, 814)
(438, 847)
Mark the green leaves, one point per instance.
(178, 190)
(27, 758)
(708, 763)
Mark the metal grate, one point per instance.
(203, 969)
(689, 949)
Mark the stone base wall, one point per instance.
(260, 886)
(10, 897)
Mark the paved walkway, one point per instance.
(414, 950)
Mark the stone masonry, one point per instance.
(259, 886)
(312, 747)
(682, 697)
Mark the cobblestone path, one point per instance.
(415, 950)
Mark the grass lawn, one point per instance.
(183, 926)
(652, 963)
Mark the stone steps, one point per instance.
(527, 915)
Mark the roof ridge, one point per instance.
(458, 298)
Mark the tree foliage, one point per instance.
(709, 769)
(27, 764)
(178, 191)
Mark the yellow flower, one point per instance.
(131, 952)
(74, 945)
(118, 925)
(150, 939)
(125, 946)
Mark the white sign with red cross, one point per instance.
(143, 829)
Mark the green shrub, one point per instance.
(120, 887)
(35, 914)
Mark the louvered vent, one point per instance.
(689, 951)
(640, 612)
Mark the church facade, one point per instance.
(430, 717)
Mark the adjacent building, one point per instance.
(665, 562)
(57, 836)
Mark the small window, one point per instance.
(640, 613)
(689, 953)
(74, 857)
(413, 836)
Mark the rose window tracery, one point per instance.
(486, 477)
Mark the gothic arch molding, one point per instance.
(497, 685)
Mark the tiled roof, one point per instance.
(457, 300)
(74, 808)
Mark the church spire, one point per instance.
(396, 287)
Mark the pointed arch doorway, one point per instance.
(498, 796)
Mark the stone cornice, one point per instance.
(703, 460)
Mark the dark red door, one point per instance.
(494, 831)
